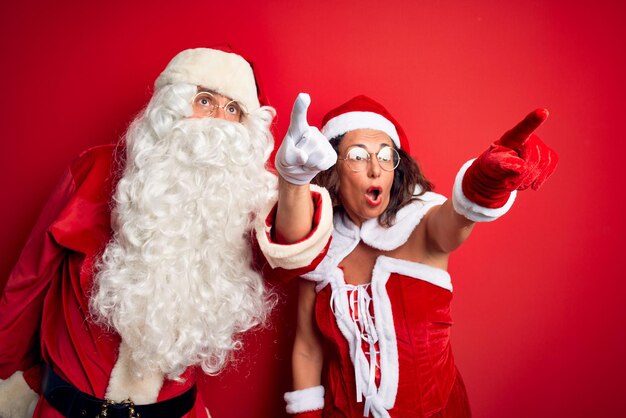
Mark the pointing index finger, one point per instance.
(515, 137)
(298, 124)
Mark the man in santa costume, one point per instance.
(138, 274)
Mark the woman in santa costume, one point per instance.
(373, 333)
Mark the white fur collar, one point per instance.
(346, 235)
(387, 239)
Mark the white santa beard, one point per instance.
(175, 282)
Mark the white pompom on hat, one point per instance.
(361, 112)
(225, 73)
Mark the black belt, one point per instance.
(73, 403)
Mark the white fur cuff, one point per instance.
(302, 253)
(472, 211)
(304, 400)
(17, 399)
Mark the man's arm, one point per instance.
(21, 308)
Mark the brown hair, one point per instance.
(406, 176)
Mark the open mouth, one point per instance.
(373, 195)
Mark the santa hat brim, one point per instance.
(350, 121)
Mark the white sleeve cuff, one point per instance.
(472, 211)
(17, 399)
(305, 400)
(302, 253)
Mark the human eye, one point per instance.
(357, 154)
(385, 154)
(233, 108)
(204, 99)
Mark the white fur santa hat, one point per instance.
(361, 112)
(223, 72)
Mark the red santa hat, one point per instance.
(219, 70)
(361, 112)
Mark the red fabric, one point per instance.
(517, 161)
(458, 404)
(309, 414)
(44, 306)
(279, 274)
(427, 371)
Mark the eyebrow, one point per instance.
(206, 90)
(365, 148)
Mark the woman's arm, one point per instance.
(294, 213)
(446, 229)
(307, 400)
(303, 153)
(485, 187)
(307, 356)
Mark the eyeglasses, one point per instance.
(358, 157)
(205, 104)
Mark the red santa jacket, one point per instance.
(44, 308)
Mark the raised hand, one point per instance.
(304, 151)
(516, 161)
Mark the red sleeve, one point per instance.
(284, 262)
(22, 301)
(279, 274)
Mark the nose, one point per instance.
(219, 112)
(373, 167)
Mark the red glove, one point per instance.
(516, 161)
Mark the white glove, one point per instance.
(17, 399)
(304, 151)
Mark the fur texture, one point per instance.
(17, 399)
(175, 281)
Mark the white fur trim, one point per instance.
(389, 363)
(223, 72)
(423, 272)
(407, 218)
(17, 399)
(141, 386)
(384, 396)
(350, 121)
(472, 211)
(346, 237)
(384, 322)
(304, 400)
(300, 254)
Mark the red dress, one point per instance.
(401, 320)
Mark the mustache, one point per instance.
(209, 142)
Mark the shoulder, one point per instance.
(407, 220)
(100, 160)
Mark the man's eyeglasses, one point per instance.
(205, 104)
(358, 157)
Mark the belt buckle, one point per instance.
(104, 411)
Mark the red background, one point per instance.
(539, 299)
